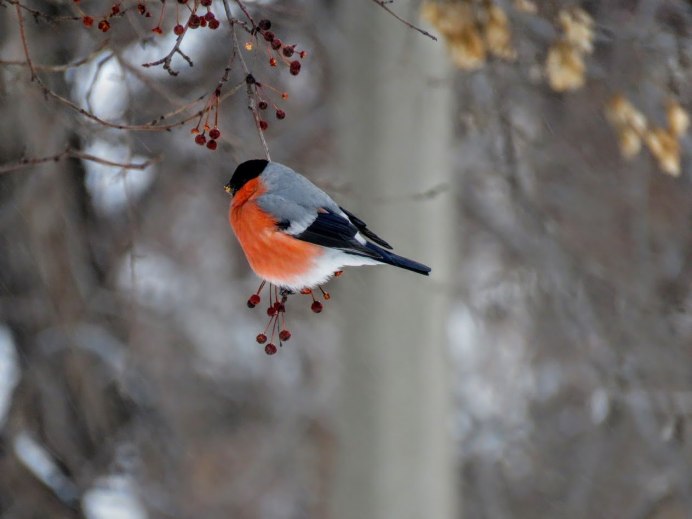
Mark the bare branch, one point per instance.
(75, 154)
(59, 68)
(166, 60)
(22, 34)
(250, 81)
(383, 5)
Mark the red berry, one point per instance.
(262, 105)
(214, 24)
(269, 36)
(115, 9)
(88, 21)
(302, 54)
(264, 125)
(205, 3)
(264, 25)
(280, 114)
(295, 67)
(209, 16)
(178, 30)
(316, 307)
(276, 44)
(214, 133)
(338, 273)
(272, 62)
(182, 1)
(141, 9)
(157, 30)
(212, 145)
(288, 51)
(270, 349)
(194, 21)
(261, 338)
(203, 22)
(271, 311)
(200, 139)
(284, 335)
(254, 300)
(104, 25)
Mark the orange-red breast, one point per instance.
(293, 234)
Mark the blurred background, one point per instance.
(536, 156)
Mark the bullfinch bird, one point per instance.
(294, 235)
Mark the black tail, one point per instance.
(399, 261)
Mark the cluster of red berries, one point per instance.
(201, 139)
(263, 101)
(277, 313)
(194, 21)
(104, 25)
(281, 49)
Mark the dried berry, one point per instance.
(157, 30)
(276, 44)
(262, 105)
(288, 50)
(214, 133)
(193, 22)
(141, 9)
(270, 349)
(295, 67)
(205, 3)
(182, 1)
(200, 139)
(202, 21)
(115, 9)
(88, 21)
(264, 25)
(302, 54)
(211, 145)
(253, 301)
(250, 79)
(269, 36)
(280, 114)
(316, 307)
(214, 24)
(178, 30)
(209, 16)
(272, 62)
(263, 125)
(104, 25)
(271, 311)
(261, 338)
(284, 335)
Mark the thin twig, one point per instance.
(153, 126)
(252, 105)
(24, 43)
(166, 60)
(59, 68)
(383, 5)
(247, 14)
(75, 154)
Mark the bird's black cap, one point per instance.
(244, 173)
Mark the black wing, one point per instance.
(360, 225)
(333, 230)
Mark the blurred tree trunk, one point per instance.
(395, 457)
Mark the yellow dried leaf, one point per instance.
(565, 67)
(630, 142)
(526, 6)
(678, 118)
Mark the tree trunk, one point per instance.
(395, 455)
